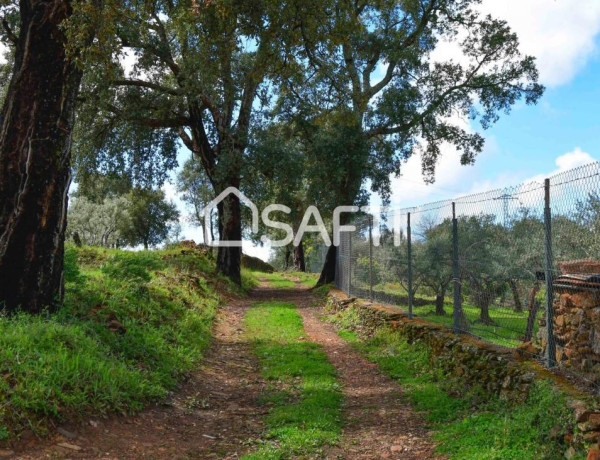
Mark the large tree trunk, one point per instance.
(328, 271)
(287, 254)
(484, 314)
(482, 297)
(439, 302)
(514, 288)
(534, 306)
(299, 262)
(35, 157)
(230, 229)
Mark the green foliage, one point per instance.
(98, 223)
(475, 425)
(306, 416)
(230, 81)
(141, 216)
(364, 270)
(152, 218)
(132, 266)
(132, 325)
(196, 191)
(382, 122)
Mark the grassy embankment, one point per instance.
(133, 323)
(303, 393)
(467, 422)
(288, 280)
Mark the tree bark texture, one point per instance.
(439, 302)
(299, 261)
(230, 229)
(514, 288)
(328, 271)
(35, 157)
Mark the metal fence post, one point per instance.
(409, 256)
(457, 309)
(371, 257)
(550, 345)
(338, 281)
(349, 263)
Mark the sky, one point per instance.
(532, 142)
(559, 133)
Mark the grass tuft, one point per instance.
(304, 393)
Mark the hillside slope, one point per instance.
(133, 324)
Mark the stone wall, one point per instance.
(470, 362)
(576, 320)
(577, 331)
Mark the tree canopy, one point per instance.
(357, 84)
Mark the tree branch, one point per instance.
(186, 139)
(168, 56)
(408, 41)
(147, 84)
(152, 122)
(9, 33)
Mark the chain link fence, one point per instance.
(517, 267)
(315, 258)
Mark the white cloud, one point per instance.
(565, 162)
(410, 189)
(560, 33)
(451, 178)
(454, 180)
(572, 160)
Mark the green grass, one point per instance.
(288, 280)
(132, 325)
(303, 392)
(508, 326)
(474, 425)
(308, 280)
(397, 289)
(278, 280)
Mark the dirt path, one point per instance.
(217, 410)
(378, 422)
(212, 416)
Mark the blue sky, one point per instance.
(560, 132)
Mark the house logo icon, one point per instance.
(207, 212)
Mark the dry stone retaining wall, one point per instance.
(472, 363)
